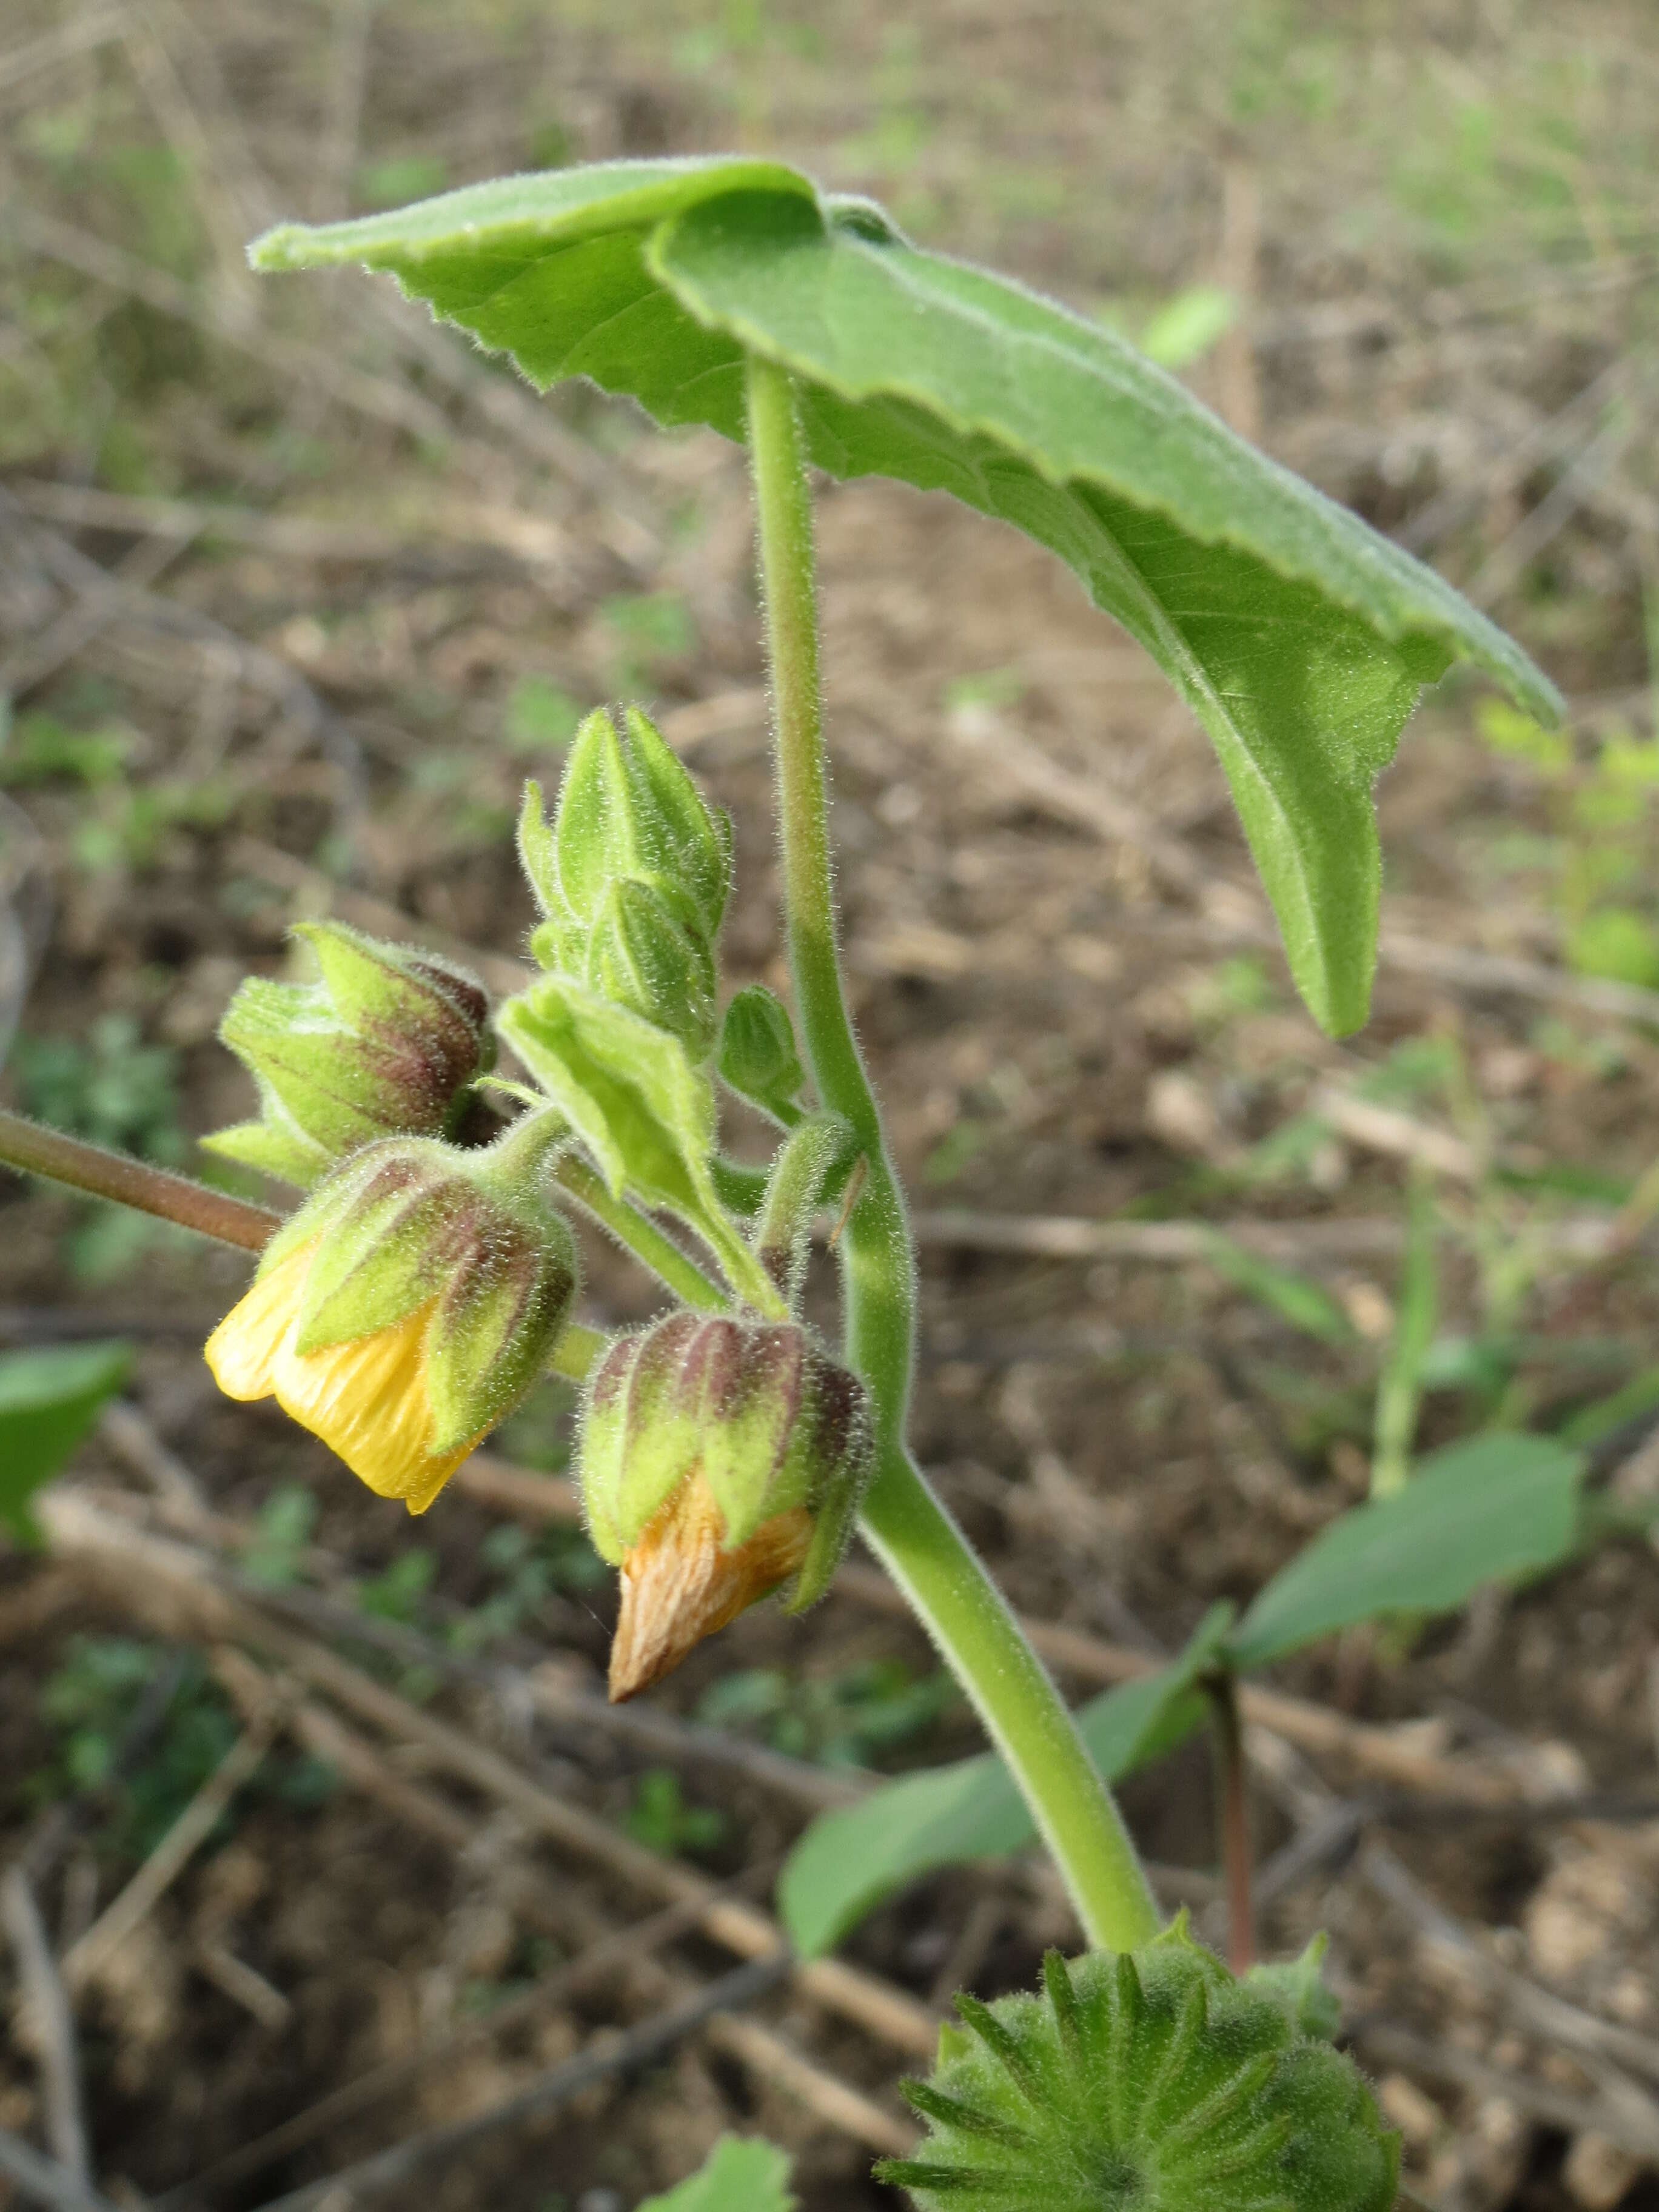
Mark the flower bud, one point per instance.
(757, 1055)
(408, 1306)
(1150, 2079)
(386, 1043)
(720, 1459)
(642, 956)
(631, 876)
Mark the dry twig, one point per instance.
(51, 2025)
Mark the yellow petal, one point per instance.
(242, 1350)
(367, 1401)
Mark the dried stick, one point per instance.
(51, 2024)
(1385, 1753)
(92, 29)
(357, 1761)
(418, 2155)
(43, 2181)
(832, 2100)
(1573, 2112)
(156, 1578)
(171, 1856)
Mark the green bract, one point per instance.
(386, 1043)
(1299, 636)
(757, 1057)
(1144, 2082)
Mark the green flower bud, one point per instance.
(757, 1055)
(627, 810)
(387, 1043)
(720, 1459)
(1149, 2082)
(641, 955)
(410, 1305)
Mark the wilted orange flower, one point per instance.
(367, 1399)
(680, 1583)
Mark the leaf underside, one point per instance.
(1299, 637)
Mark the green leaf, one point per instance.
(49, 1400)
(1183, 330)
(850, 1861)
(1299, 637)
(741, 2173)
(1304, 1303)
(1488, 1510)
(1400, 1387)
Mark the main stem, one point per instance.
(905, 1524)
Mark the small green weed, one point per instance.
(400, 1590)
(647, 628)
(40, 749)
(541, 1434)
(842, 1720)
(90, 1703)
(661, 1819)
(541, 717)
(110, 1087)
(275, 1555)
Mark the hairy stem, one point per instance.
(41, 1151)
(1233, 1818)
(905, 1524)
(641, 1236)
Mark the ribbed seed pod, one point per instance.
(1144, 2082)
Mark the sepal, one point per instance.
(711, 1444)
(409, 1304)
(642, 956)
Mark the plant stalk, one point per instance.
(1233, 1818)
(37, 1151)
(641, 1237)
(903, 1521)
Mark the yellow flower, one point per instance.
(367, 1399)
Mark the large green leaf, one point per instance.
(1299, 637)
(1487, 1510)
(849, 1860)
(741, 2173)
(49, 1399)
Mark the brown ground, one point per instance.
(1444, 230)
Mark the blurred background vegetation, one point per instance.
(295, 589)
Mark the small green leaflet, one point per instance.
(741, 2173)
(848, 1862)
(628, 1088)
(1487, 1510)
(1299, 637)
(49, 1399)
